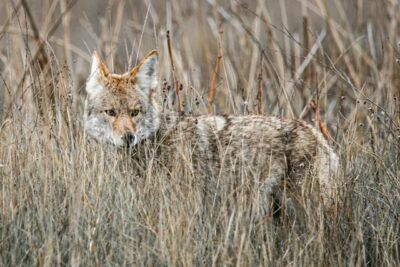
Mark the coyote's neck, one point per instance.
(168, 122)
(161, 139)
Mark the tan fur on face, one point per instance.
(123, 124)
(118, 83)
(113, 98)
(122, 101)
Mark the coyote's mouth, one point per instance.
(129, 139)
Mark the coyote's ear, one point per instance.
(146, 72)
(98, 70)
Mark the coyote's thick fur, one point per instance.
(123, 110)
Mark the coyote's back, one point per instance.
(270, 149)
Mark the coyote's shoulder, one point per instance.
(123, 110)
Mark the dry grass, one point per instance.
(68, 202)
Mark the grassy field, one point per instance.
(66, 201)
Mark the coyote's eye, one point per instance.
(110, 112)
(136, 112)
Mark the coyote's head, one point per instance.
(121, 109)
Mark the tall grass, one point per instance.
(68, 201)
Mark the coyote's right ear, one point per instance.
(97, 71)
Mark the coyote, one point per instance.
(125, 111)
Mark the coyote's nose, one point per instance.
(130, 139)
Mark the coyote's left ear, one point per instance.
(146, 72)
